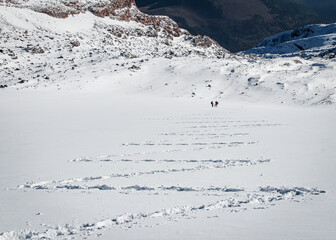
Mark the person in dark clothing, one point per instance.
(216, 104)
(212, 103)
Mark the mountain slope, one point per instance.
(123, 10)
(86, 51)
(236, 24)
(37, 46)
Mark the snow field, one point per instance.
(85, 167)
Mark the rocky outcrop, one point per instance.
(98, 32)
(124, 10)
(64, 8)
(329, 54)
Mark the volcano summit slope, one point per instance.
(86, 51)
(107, 130)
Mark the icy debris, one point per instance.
(83, 159)
(103, 187)
(138, 188)
(294, 191)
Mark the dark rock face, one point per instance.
(324, 8)
(235, 24)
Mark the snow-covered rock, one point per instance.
(42, 37)
(308, 41)
(35, 45)
(122, 10)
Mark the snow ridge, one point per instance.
(308, 41)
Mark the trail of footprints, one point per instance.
(199, 136)
(83, 183)
(260, 200)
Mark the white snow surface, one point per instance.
(113, 137)
(98, 165)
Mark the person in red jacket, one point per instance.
(216, 104)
